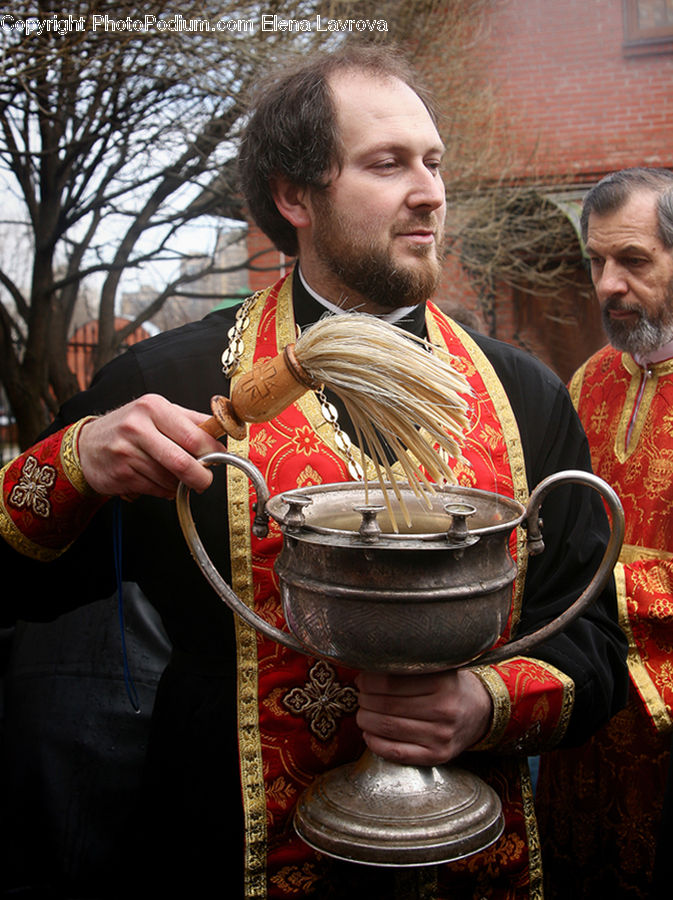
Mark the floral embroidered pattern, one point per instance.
(322, 701)
(295, 879)
(32, 489)
(282, 792)
(306, 440)
(307, 476)
(665, 679)
(490, 437)
(263, 442)
(662, 608)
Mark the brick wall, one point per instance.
(267, 264)
(572, 105)
(573, 100)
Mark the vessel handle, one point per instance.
(531, 516)
(259, 528)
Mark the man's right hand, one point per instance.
(146, 447)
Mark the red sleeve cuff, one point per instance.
(45, 501)
(644, 580)
(532, 703)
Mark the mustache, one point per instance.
(614, 304)
(428, 222)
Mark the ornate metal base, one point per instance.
(382, 813)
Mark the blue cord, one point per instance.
(117, 543)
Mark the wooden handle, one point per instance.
(270, 387)
(224, 419)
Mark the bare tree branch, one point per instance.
(112, 139)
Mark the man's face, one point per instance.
(632, 272)
(377, 230)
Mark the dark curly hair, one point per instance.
(292, 129)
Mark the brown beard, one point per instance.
(369, 270)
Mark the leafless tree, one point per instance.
(117, 130)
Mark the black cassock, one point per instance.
(186, 831)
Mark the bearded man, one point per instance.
(340, 166)
(600, 806)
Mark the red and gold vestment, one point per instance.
(602, 824)
(287, 735)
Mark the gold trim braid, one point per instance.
(622, 449)
(631, 553)
(647, 690)
(72, 467)
(575, 386)
(252, 776)
(535, 869)
(512, 438)
(502, 706)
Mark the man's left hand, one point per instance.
(423, 720)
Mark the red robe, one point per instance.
(600, 829)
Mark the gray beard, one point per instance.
(647, 335)
(639, 341)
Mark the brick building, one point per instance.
(266, 263)
(586, 87)
(84, 341)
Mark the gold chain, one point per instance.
(341, 439)
(232, 355)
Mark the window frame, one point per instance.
(638, 42)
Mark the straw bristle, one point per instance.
(395, 384)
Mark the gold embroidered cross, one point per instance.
(322, 701)
(32, 488)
